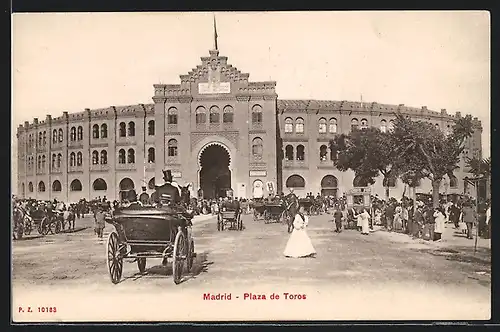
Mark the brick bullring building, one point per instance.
(216, 130)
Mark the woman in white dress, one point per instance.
(440, 220)
(299, 244)
(365, 222)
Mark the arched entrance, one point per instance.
(329, 186)
(215, 176)
(126, 185)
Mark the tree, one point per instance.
(368, 152)
(435, 153)
(479, 167)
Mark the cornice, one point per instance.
(256, 131)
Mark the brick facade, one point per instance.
(213, 86)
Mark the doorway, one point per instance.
(215, 176)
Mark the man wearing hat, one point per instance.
(169, 191)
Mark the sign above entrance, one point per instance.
(258, 173)
(214, 87)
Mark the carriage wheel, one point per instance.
(179, 256)
(218, 223)
(115, 259)
(44, 224)
(190, 256)
(141, 264)
(39, 228)
(255, 215)
(52, 227)
(27, 227)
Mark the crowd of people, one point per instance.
(417, 219)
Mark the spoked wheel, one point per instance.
(255, 216)
(179, 256)
(44, 224)
(115, 259)
(141, 264)
(39, 228)
(240, 223)
(190, 256)
(53, 228)
(27, 228)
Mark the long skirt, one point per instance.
(299, 244)
(365, 226)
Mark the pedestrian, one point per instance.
(418, 220)
(469, 217)
(440, 220)
(365, 222)
(398, 220)
(337, 217)
(99, 222)
(428, 233)
(404, 218)
(455, 215)
(488, 221)
(299, 244)
(389, 216)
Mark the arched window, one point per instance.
(300, 152)
(289, 152)
(95, 131)
(122, 129)
(60, 135)
(75, 185)
(56, 186)
(72, 159)
(121, 156)
(151, 183)
(39, 165)
(40, 139)
(151, 155)
(131, 156)
(59, 159)
(354, 124)
(214, 114)
(41, 186)
(54, 136)
(131, 129)
(389, 182)
(126, 184)
(95, 157)
(44, 138)
(172, 148)
(104, 157)
(99, 184)
(295, 181)
(332, 126)
(322, 126)
(364, 124)
(172, 116)
(329, 181)
(257, 115)
(43, 161)
(30, 187)
(453, 181)
(390, 128)
(323, 152)
(53, 161)
(80, 133)
(79, 159)
(360, 181)
(257, 148)
(104, 130)
(299, 125)
(201, 115)
(383, 126)
(288, 125)
(151, 127)
(227, 116)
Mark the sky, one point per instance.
(72, 61)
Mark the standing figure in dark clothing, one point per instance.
(167, 193)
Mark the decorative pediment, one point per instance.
(214, 68)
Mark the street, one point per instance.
(354, 277)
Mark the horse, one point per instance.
(291, 208)
(186, 197)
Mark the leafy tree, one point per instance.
(368, 152)
(435, 153)
(479, 167)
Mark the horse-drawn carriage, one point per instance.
(146, 232)
(274, 212)
(312, 206)
(231, 217)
